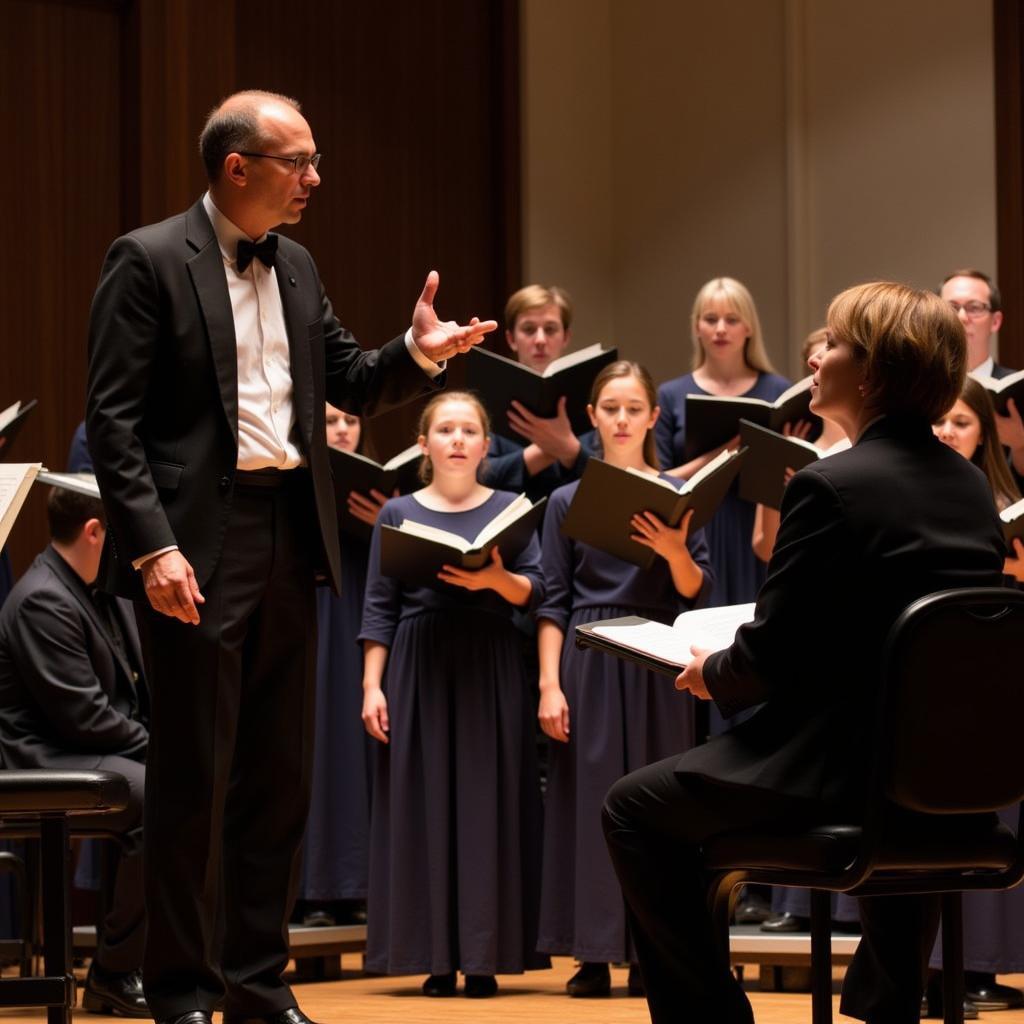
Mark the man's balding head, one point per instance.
(238, 123)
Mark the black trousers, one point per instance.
(229, 763)
(655, 822)
(122, 934)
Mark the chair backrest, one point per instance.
(952, 703)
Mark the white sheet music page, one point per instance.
(15, 480)
(713, 628)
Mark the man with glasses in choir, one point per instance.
(975, 297)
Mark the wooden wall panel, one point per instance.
(407, 103)
(1008, 37)
(60, 119)
(414, 105)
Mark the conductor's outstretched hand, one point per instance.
(441, 339)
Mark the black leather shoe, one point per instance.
(319, 917)
(983, 991)
(784, 924)
(752, 909)
(635, 981)
(293, 1015)
(481, 986)
(117, 993)
(440, 985)
(591, 981)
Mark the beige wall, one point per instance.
(800, 145)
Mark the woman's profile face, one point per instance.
(837, 388)
(960, 428)
(720, 330)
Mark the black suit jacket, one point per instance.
(162, 409)
(998, 372)
(863, 534)
(68, 697)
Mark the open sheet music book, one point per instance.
(11, 420)
(1002, 390)
(351, 471)
(1012, 518)
(16, 480)
(661, 648)
(712, 420)
(83, 483)
(500, 380)
(414, 552)
(608, 498)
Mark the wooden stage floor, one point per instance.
(534, 998)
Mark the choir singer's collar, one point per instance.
(228, 233)
(983, 370)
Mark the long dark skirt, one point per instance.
(993, 926)
(621, 717)
(336, 851)
(456, 821)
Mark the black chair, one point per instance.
(13, 863)
(950, 704)
(47, 798)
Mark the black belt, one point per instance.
(269, 478)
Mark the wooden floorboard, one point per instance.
(534, 998)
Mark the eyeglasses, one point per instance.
(974, 309)
(300, 163)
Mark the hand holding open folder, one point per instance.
(661, 648)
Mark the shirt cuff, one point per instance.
(427, 365)
(138, 562)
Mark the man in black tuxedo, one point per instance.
(863, 534)
(72, 696)
(213, 350)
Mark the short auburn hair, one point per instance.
(911, 343)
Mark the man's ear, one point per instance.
(94, 530)
(234, 170)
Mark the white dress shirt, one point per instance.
(984, 370)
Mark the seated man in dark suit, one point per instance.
(72, 697)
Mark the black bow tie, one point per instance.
(265, 252)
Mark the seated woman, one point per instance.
(863, 534)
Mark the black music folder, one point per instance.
(415, 552)
(763, 476)
(499, 380)
(608, 498)
(11, 421)
(712, 420)
(354, 472)
(1002, 390)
